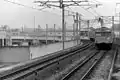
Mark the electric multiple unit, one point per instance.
(84, 35)
(103, 38)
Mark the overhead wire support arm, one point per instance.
(82, 5)
(49, 5)
(76, 2)
(43, 4)
(24, 5)
(57, 1)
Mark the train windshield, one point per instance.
(84, 33)
(99, 34)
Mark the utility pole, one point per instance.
(54, 32)
(77, 27)
(73, 31)
(88, 22)
(119, 24)
(34, 23)
(46, 33)
(63, 25)
(74, 28)
(80, 28)
(113, 36)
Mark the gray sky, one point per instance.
(15, 15)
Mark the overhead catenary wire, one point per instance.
(94, 20)
(84, 21)
(47, 4)
(88, 11)
(24, 5)
(62, 7)
(41, 9)
(95, 1)
(80, 13)
(96, 12)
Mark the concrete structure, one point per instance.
(13, 36)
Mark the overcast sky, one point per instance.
(15, 15)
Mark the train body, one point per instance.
(104, 38)
(92, 35)
(86, 34)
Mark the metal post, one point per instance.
(113, 36)
(80, 28)
(2, 41)
(119, 23)
(88, 22)
(63, 28)
(77, 26)
(74, 36)
(73, 31)
(46, 33)
(34, 23)
(102, 22)
(74, 27)
(54, 32)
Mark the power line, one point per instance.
(62, 5)
(33, 7)
(24, 5)
(42, 9)
(96, 12)
(95, 1)
(88, 11)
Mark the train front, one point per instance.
(103, 39)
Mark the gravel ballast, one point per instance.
(102, 70)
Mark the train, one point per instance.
(84, 35)
(104, 38)
(87, 34)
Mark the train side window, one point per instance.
(98, 34)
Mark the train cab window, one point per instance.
(84, 33)
(103, 33)
(106, 33)
(98, 34)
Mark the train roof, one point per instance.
(86, 29)
(103, 29)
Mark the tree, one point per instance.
(5, 27)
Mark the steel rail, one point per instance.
(112, 65)
(66, 77)
(90, 69)
(32, 68)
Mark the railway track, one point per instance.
(31, 69)
(106, 67)
(113, 65)
(81, 71)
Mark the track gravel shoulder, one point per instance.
(116, 72)
(101, 71)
